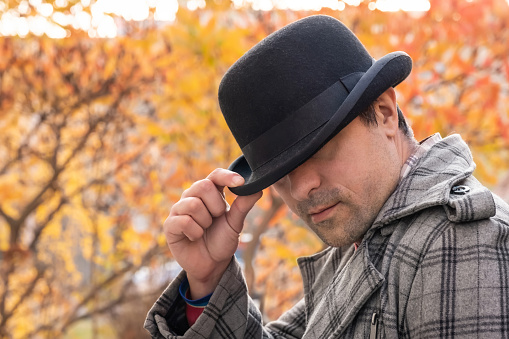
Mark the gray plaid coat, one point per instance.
(435, 264)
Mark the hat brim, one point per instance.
(386, 72)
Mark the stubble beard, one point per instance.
(349, 222)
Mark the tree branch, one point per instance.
(249, 252)
(37, 200)
(42, 225)
(7, 217)
(6, 281)
(23, 144)
(28, 291)
(101, 286)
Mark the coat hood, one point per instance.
(442, 177)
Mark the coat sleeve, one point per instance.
(229, 314)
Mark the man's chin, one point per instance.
(334, 234)
(330, 238)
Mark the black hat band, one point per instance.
(298, 125)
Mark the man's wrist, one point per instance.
(199, 288)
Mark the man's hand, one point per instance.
(202, 230)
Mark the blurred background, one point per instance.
(108, 112)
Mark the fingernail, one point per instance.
(238, 180)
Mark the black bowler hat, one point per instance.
(297, 88)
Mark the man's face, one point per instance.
(339, 191)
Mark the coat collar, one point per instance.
(447, 164)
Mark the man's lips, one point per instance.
(322, 213)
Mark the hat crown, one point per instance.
(285, 71)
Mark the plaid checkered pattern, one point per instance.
(433, 265)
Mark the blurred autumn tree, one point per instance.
(78, 165)
(100, 136)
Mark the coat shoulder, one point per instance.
(445, 272)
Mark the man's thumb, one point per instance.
(240, 208)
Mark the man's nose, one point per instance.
(303, 180)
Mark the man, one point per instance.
(418, 247)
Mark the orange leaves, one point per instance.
(100, 137)
(75, 160)
(135, 244)
(460, 77)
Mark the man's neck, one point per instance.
(406, 147)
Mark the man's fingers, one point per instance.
(240, 208)
(206, 191)
(194, 207)
(222, 177)
(202, 202)
(210, 190)
(180, 226)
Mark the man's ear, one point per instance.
(387, 112)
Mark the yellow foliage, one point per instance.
(98, 132)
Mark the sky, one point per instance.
(101, 23)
